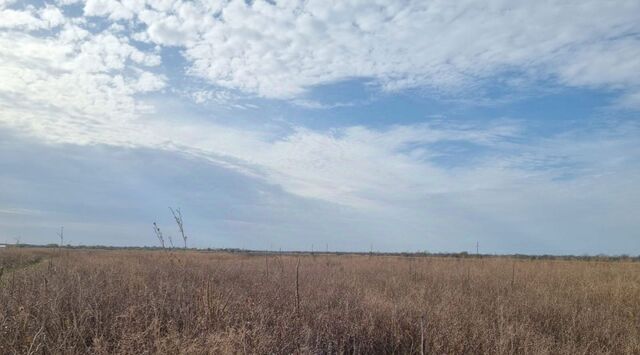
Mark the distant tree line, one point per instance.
(460, 255)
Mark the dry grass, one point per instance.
(151, 302)
(12, 258)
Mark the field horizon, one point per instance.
(425, 253)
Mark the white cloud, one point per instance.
(30, 19)
(324, 106)
(280, 50)
(115, 10)
(19, 211)
(52, 16)
(72, 73)
(167, 31)
(613, 63)
(5, 3)
(221, 97)
(176, 23)
(147, 82)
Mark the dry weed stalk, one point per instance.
(422, 335)
(177, 215)
(61, 236)
(297, 285)
(158, 234)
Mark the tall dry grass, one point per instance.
(108, 302)
(12, 258)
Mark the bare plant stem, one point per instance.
(422, 335)
(35, 337)
(61, 236)
(177, 215)
(159, 235)
(297, 285)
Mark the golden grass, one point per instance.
(106, 302)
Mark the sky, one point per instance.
(348, 125)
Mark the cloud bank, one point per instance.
(281, 49)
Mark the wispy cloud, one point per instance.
(19, 211)
(516, 198)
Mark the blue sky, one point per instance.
(406, 125)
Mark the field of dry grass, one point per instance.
(191, 302)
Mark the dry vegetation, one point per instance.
(190, 302)
(14, 258)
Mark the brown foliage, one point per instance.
(191, 302)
